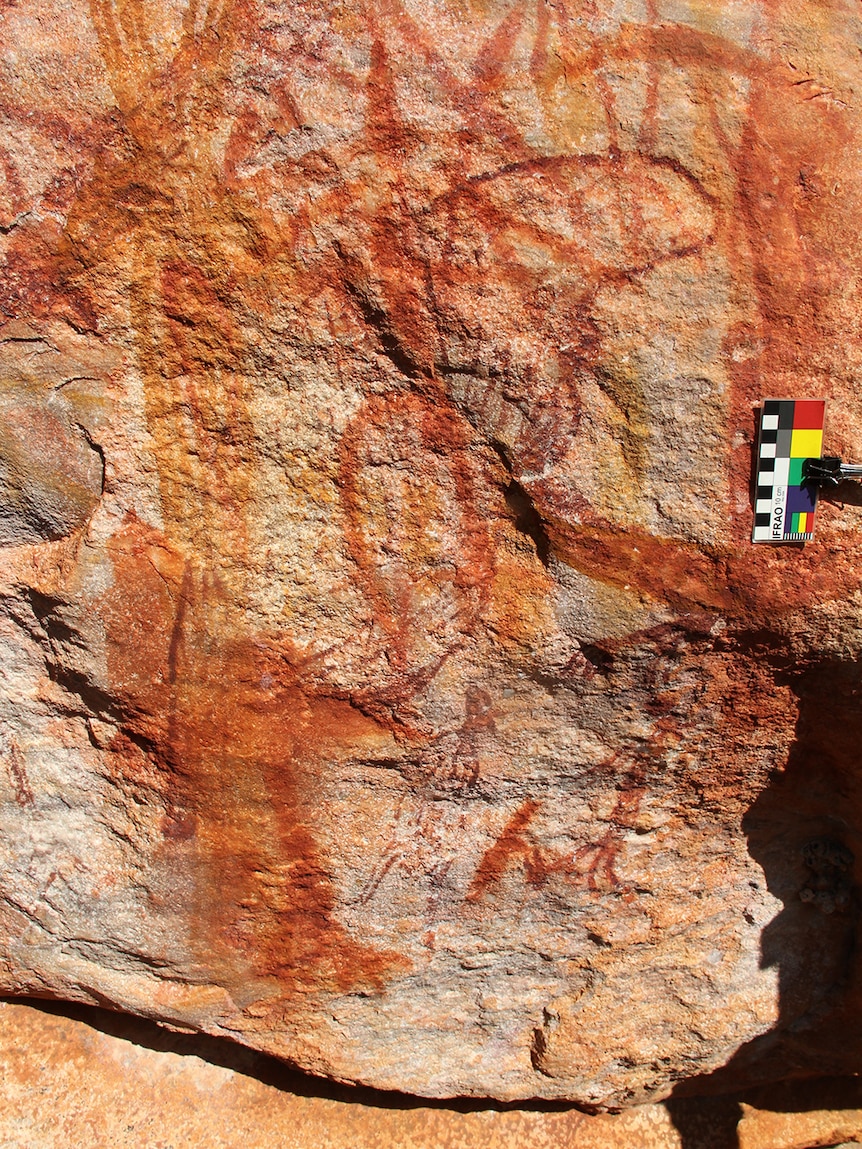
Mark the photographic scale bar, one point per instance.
(791, 431)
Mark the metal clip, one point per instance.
(829, 471)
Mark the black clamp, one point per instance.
(829, 471)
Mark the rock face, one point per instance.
(102, 1087)
(388, 680)
(104, 1080)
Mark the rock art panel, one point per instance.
(390, 683)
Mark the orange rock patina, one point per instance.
(390, 682)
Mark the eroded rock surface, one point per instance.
(108, 1080)
(389, 682)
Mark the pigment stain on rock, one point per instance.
(390, 682)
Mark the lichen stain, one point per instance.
(751, 588)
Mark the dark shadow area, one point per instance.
(752, 471)
(527, 520)
(268, 1070)
(846, 494)
(706, 1122)
(711, 1122)
(804, 831)
(808, 1096)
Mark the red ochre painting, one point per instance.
(389, 680)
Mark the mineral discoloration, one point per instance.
(389, 675)
(51, 467)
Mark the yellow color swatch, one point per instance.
(806, 444)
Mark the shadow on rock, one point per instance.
(267, 1070)
(804, 831)
(705, 1122)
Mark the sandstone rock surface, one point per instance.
(388, 681)
(69, 1083)
(83, 1076)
